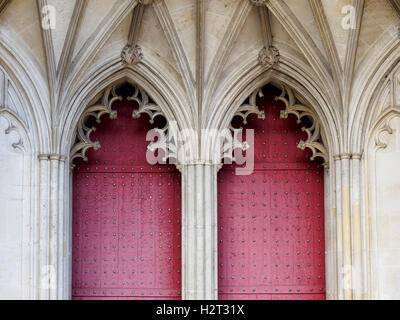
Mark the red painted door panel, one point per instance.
(126, 217)
(271, 223)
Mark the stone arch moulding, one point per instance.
(385, 97)
(25, 83)
(303, 86)
(104, 107)
(167, 94)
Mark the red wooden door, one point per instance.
(126, 217)
(271, 223)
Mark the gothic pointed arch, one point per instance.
(295, 76)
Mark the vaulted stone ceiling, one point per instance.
(198, 45)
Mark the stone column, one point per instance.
(64, 232)
(350, 263)
(51, 204)
(53, 221)
(339, 227)
(330, 231)
(346, 216)
(199, 232)
(43, 234)
(356, 227)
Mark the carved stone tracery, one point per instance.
(314, 132)
(167, 142)
(9, 116)
(242, 112)
(83, 140)
(300, 111)
(153, 111)
(249, 108)
(386, 128)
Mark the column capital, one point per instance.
(52, 156)
(194, 163)
(345, 156)
(57, 157)
(357, 156)
(43, 157)
(199, 163)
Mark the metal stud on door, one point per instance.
(126, 217)
(271, 223)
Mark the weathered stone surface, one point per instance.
(199, 61)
